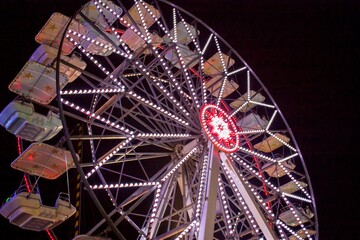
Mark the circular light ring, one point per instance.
(219, 128)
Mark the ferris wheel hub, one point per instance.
(220, 129)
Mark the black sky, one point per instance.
(305, 52)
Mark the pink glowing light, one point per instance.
(220, 128)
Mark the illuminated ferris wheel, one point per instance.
(172, 134)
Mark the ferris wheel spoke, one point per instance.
(236, 71)
(175, 79)
(163, 181)
(298, 216)
(268, 183)
(206, 202)
(161, 121)
(90, 91)
(290, 175)
(161, 204)
(86, 76)
(163, 195)
(248, 198)
(95, 116)
(281, 140)
(155, 123)
(132, 181)
(135, 114)
(109, 75)
(111, 46)
(157, 108)
(224, 69)
(165, 142)
(143, 23)
(134, 157)
(259, 155)
(169, 96)
(173, 39)
(107, 156)
(253, 170)
(242, 207)
(166, 136)
(85, 121)
(184, 94)
(166, 176)
(144, 115)
(162, 23)
(276, 189)
(188, 81)
(142, 192)
(97, 137)
(185, 189)
(282, 225)
(224, 206)
(158, 123)
(125, 215)
(145, 112)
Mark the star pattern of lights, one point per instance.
(219, 128)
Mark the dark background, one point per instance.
(305, 52)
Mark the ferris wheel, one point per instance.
(171, 133)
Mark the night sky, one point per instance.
(307, 53)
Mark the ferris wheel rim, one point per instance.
(248, 69)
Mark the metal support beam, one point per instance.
(171, 233)
(184, 182)
(248, 198)
(166, 193)
(208, 214)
